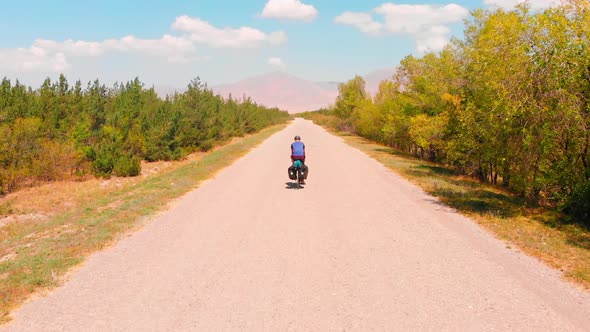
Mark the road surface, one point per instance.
(357, 249)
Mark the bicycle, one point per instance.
(298, 172)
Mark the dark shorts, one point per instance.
(302, 158)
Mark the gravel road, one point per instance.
(359, 248)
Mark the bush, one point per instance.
(207, 145)
(56, 161)
(578, 205)
(127, 166)
(103, 164)
(155, 153)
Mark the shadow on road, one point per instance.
(293, 185)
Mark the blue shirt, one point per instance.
(298, 149)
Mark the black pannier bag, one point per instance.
(292, 173)
(304, 171)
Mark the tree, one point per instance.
(351, 95)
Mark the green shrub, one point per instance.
(127, 166)
(103, 164)
(207, 145)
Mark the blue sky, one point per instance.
(171, 42)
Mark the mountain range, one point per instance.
(288, 92)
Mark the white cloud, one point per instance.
(362, 21)
(436, 38)
(33, 59)
(71, 47)
(276, 62)
(51, 56)
(202, 32)
(427, 24)
(509, 4)
(175, 49)
(289, 9)
(415, 19)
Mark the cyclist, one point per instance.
(298, 153)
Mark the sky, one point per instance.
(169, 43)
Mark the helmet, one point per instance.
(297, 138)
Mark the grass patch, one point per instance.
(36, 253)
(543, 233)
(6, 209)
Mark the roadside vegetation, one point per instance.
(59, 131)
(496, 125)
(47, 230)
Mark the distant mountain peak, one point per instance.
(286, 91)
(282, 90)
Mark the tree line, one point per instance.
(58, 130)
(509, 104)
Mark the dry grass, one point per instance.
(49, 199)
(45, 231)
